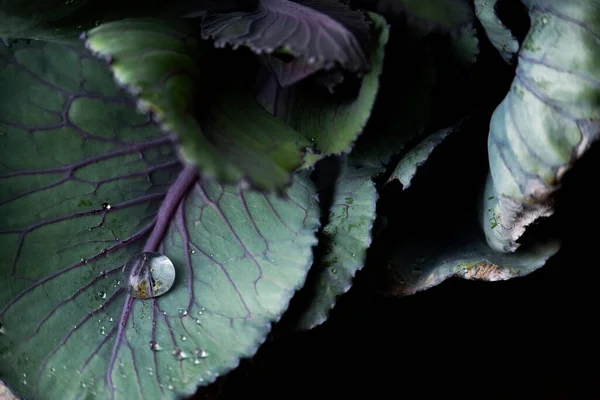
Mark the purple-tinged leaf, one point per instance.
(291, 28)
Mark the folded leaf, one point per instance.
(333, 123)
(228, 134)
(420, 265)
(87, 183)
(292, 28)
(548, 119)
(417, 156)
(346, 239)
(500, 36)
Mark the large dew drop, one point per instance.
(148, 275)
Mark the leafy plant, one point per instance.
(249, 143)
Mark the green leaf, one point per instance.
(446, 15)
(64, 21)
(500, 36)
(334, 122)
(417, 156)
(548, 119)
(228, 135)
(420, 265)
(295, 29)
(346, 239)
(465, 46)
(88, 182)
(395, 123)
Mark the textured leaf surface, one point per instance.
(294, 29)
(87, 183)
(232, 138)
(347, 237)
(500, 36)
(420, 265)
(332, 122)
(548, 119)
(417, 156)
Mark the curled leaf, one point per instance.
(291, 28)
(548, 119)
(500, 36)
(223, 130)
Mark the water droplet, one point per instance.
(2, 331)
(200, 353)
(544, 20)
(83, 260)
(106, 206)
(83, 385)
(182, 312)
(179, 354)
(148, 275)
(198, 321)
(102, 331)
(154, 346)
(24, 382)
(150, 373)
(103, 251)
(183, 338)
(24, 375)
(53, 369)
(333, 271)
(192, 251)
(102, 295)
(199, 312)
(170, 387)
(111, 319)
(197, 361)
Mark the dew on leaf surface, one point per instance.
(148, 275)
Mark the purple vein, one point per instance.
(74, 329)
(74, 295)
(97, 349)
(135, 369)
(174, 196)
(117, 246)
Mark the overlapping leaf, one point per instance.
(228, 134)
(333, 123)
(547, 120)
(87, 183)
(500, 36)
(346, 238)
(294, 29)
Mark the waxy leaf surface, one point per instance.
(548, 119)
(88, 182)
(500, 36)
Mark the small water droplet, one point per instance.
(192, 251)
(2, 331)
(200, 353)
(106, 206)
(179, 354)
(53, 369)
(111, 319)
(24, 382)
(103, 251)
(170, 387)
(544, 20)
(333, 271)
(24, 375)
(148, 275)
(199, 312)
(102, 295)
(117, 238)
(182, 312)
(102, 331)
(198, 321)
(183, 338)
(197, 361)
(150, 373)
(154, 346)
(83, 260)
(83, 385)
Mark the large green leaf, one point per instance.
(295, 29)
(345, 241)
(228, 135)
(334, 122)
(500, 36)
(87, 183)
(548, 119)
